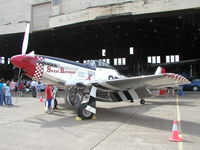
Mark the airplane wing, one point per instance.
(141, 86)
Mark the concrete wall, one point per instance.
(69, 6)
(136, 7)
(15, 13)
(12, 11)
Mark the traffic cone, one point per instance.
(41, 100)
(175, 137)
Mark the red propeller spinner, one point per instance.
(26, 63)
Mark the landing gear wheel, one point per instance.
(142, 101)
(83, 113)
(55, 103)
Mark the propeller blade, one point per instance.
(26, 37)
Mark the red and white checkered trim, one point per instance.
(38, 70)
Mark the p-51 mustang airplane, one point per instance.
(86, 83)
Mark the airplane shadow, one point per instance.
(133, 115)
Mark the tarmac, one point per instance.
(123, 125)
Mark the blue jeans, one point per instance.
(8, 100)
(1, 97)
(49, 102)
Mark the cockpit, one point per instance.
(99, 63)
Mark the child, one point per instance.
(48, 96)
(8, 98)
(13, 86)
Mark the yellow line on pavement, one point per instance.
(180, 144)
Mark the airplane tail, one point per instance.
(160, 70)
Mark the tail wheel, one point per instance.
(83, 113)
(142, 101)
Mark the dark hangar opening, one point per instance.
(159, 37)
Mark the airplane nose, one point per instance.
(18, 61)
(26, 63)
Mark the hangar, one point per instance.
(130, 35)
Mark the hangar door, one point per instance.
(40, 16)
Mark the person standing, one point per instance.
(20, 88)
(48, 96)
(13, 87)
(1, 93)
(42, 87)
(38, 90)
(7, 93)
(33, 85)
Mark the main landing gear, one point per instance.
(87, 109)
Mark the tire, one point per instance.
(83, 113)
(68, 103)
(142, 101)
(195, 88)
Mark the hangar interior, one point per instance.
(135, 45)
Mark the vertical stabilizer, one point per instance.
(160, 70)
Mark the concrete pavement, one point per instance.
(118, 126)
